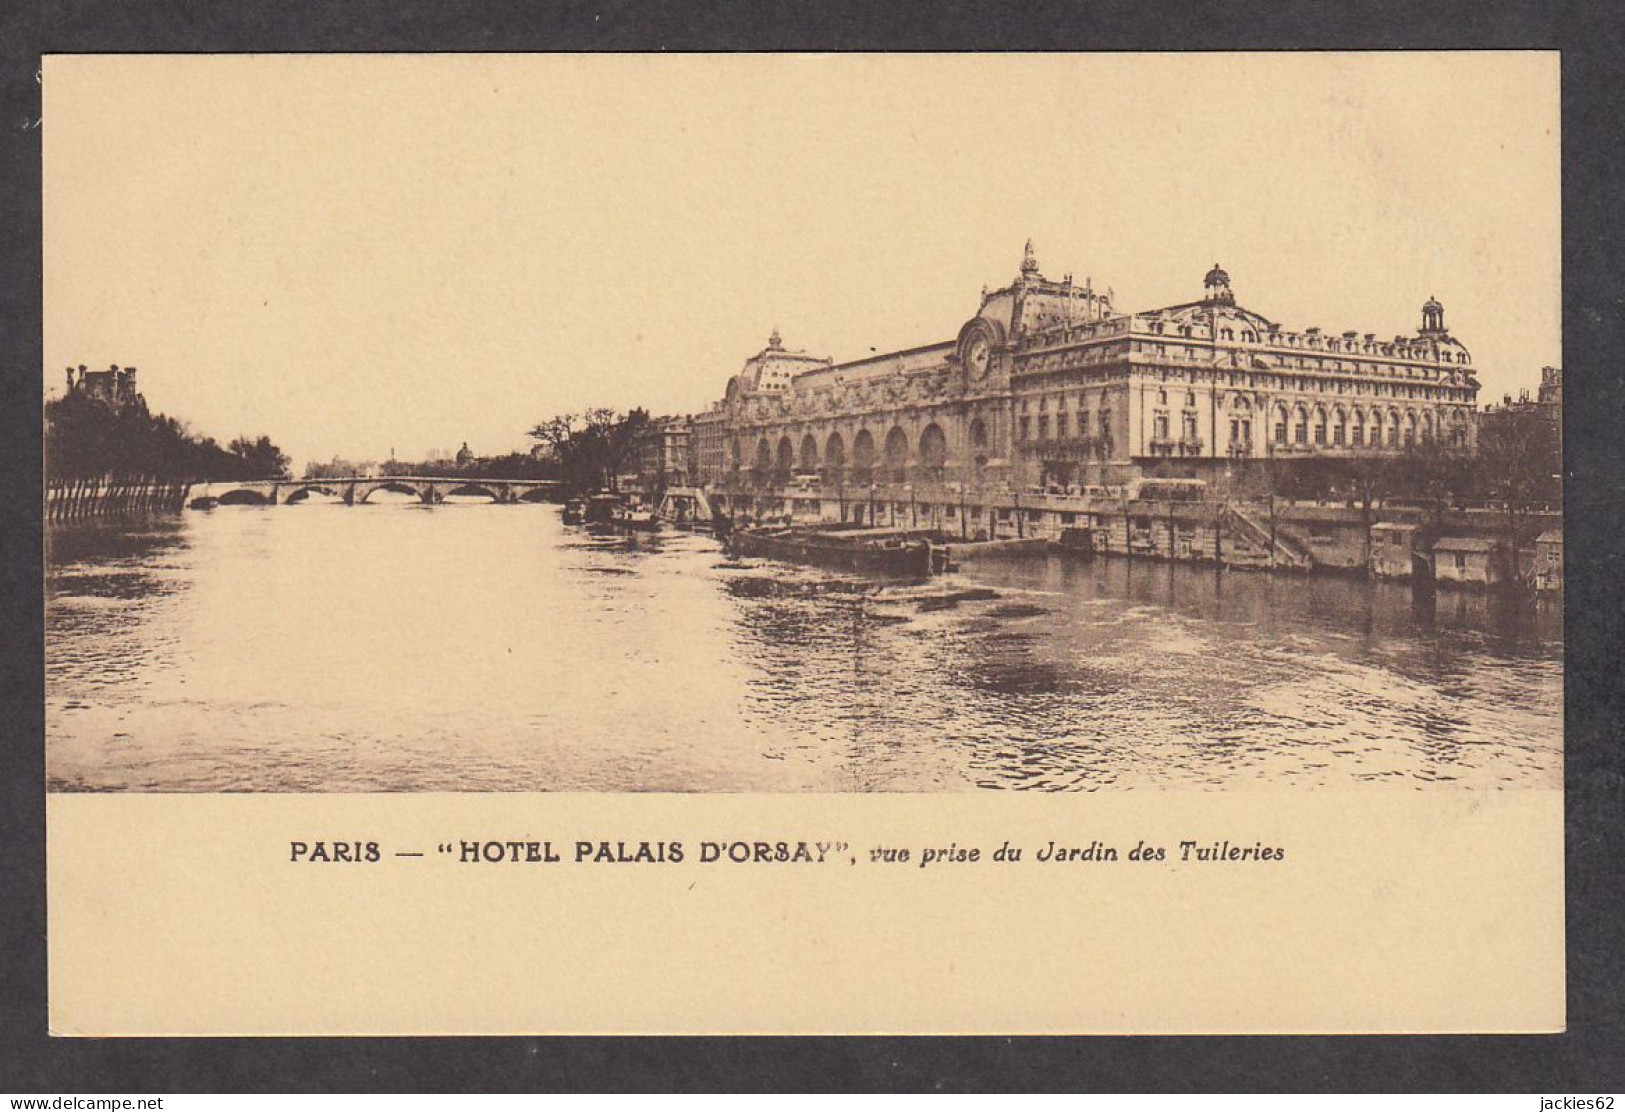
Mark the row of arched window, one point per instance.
(1304, 425)
(832, 454)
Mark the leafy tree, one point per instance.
(1519, 466)
(589, 449)
(261, 458)
(87, 440)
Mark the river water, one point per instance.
(475, 647)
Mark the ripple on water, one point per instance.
(497, 650)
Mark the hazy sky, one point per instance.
(355, 253)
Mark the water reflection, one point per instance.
(478, 647)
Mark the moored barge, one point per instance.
(898, 552)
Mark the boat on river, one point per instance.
(628, 517)
(602, 507)
(902, 552)
(575, 512)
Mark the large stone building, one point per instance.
(1050, 390)
(661, 457)
(114, 387)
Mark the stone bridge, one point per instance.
(429, 490)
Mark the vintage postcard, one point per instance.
(995, 543)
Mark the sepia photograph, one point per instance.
(725, 544)
(794, 424)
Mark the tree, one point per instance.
(589, 448)
(87, 440)
(1365, 480)
(1435, 474)
(1519, 467)
(261, 458)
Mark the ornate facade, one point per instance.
(1048, 388)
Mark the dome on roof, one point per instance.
(1217, 284)
(1432, 317)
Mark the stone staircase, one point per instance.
(1253, 546)
(671, 504)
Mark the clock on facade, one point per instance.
(976, 356)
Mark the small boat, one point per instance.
(575, 512)
(628, 518)
(601, 508)
(879, 551)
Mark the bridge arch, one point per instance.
(244, 496)
(394, 486)
(473, 490)
(303, 491)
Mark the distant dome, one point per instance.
(1217, 284)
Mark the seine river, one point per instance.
(475, 647)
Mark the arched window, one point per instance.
(896, 454)
(834, 455)
(863, 454)
(809, 453)
(786, 457)
(1300, 426)
(1280, 424)
(933, 452)
(978, 433)
(1320, 426)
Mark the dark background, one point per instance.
(1589, 1057)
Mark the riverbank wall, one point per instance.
(70, 500)
(1392, 541)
